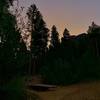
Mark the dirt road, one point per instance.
(82, 91)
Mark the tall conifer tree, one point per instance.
(10, 44)
(39, 34)
(55, 41)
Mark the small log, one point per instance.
(42, 87)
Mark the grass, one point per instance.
(14, 90)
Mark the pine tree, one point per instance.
(94, 29)
(94, 36)
(10, 44)
(55, 41)
(39, 33)
(66, 36)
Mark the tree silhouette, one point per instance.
(55, 41)
(73, 59)
(10, 45)
(66, 34)
(66, 44)
(94, 35)
(39, 34)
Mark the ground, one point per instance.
(80, 91)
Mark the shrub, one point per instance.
(58, 71)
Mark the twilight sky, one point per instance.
(76, 15)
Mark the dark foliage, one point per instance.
(55, 41)
(39, 37)
(76, 59)
(12, 57)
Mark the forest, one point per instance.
(58, 60)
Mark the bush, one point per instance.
(58, 72)
(90, 66)
(14, 90)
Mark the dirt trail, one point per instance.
(82, 91)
